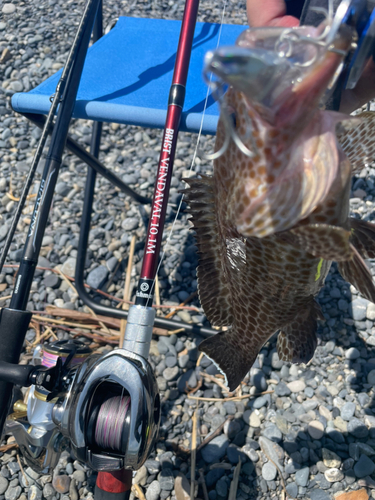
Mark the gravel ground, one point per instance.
(315, 423)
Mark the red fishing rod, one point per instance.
(176, 99)
(117, 485)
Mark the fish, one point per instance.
(274, 215)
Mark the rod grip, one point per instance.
(13, 328)
(114, 485)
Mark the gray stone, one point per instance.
(333, 475)
(273, 433)
(69, 267)
(213, 476)
(302, 476)
(234, 454)
(292, 489)
(359, 307)
(97, 277)
(319, 494)
(52, 281)
(3, 485)
(34, 493)
(171, 373)
(352, 353)
(347, 411)
(79, 476)
(282, 389)
(130, 223)
(153, 491)
(364, 467)
(371, 377)
(166, 479)
(272, 450)
(215, 449)
(222, 488)
(357, 428)
(269, 471)
(13, 492)
(62, 188)
(8, 8)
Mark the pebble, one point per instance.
(35, 493)
(153, 491)
(352, 353)
(182, 487)
(333, 475)
(215, 449)
(269, 471)
(61, 483)
(8, 8)
(4, 483)
(347, 411)
(296, 386)
(330, 458)
(97, 277)
(353, 495)
(302, 476)
(364, 467)
(316, 429)
(357, 428)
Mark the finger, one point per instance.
(269, 13)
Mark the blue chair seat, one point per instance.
(128, 73)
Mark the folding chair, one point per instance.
(126, 79)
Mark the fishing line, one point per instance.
(110, 423)
(191, 165)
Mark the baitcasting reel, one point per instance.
(105, 408)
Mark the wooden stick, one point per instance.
(193, 455)
(138, 492)
(180, 306)
(203, 483)
(235, 398)
(23, 472)
(215, 433)
(234, 483)
(7, 447)
(125, 306)
(157, 292)
(216, 381)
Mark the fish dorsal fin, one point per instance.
(213, 287)
(358, 142)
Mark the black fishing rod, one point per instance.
(14, 320)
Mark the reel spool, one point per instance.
(108, 425)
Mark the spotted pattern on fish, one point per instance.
(268, 229)
(357, 142)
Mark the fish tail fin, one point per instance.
(231, 359)
(297, 341)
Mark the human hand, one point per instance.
(273, 13)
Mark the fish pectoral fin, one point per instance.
(357, 273)
(320, 240)
(231, 359)
(363, 237)
(297, 341)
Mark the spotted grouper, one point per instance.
(275, 213)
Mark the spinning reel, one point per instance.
(105, 408)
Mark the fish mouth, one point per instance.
(279, 69)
